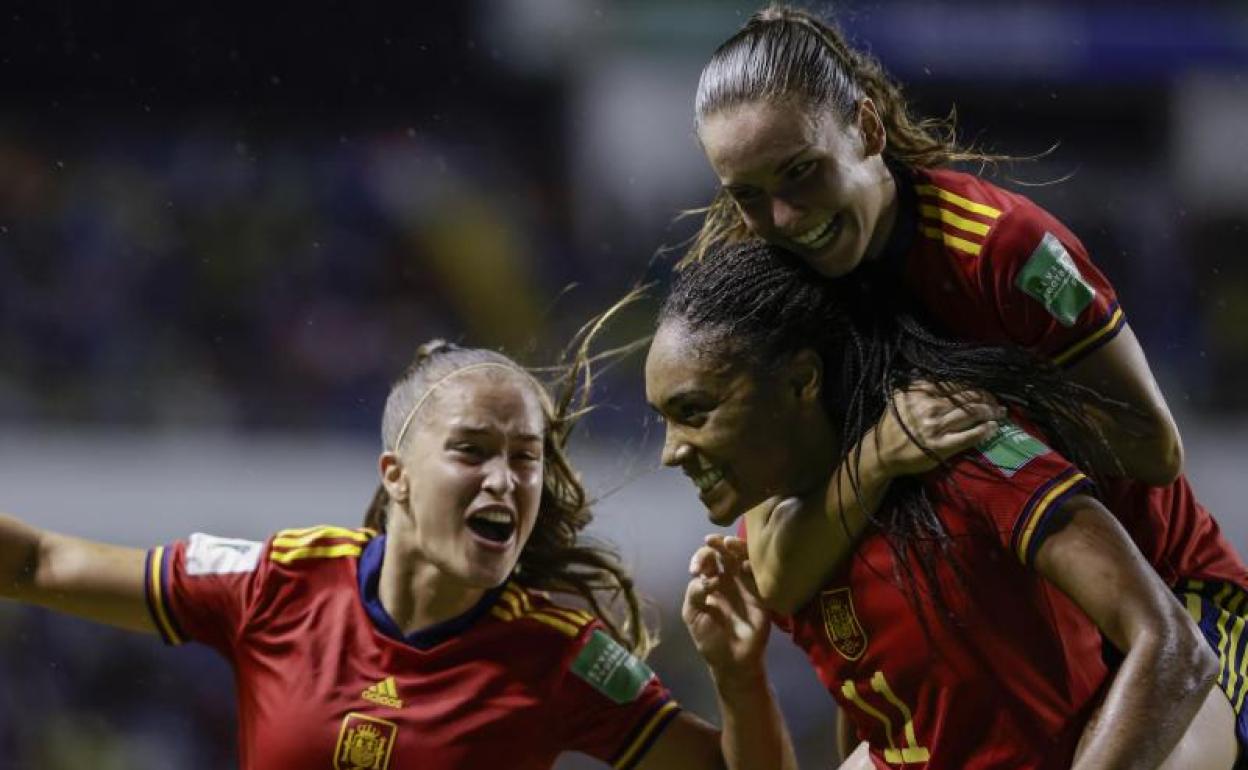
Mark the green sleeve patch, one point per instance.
(1011, 447)
(610, 669)
(1052, 278)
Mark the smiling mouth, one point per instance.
(706, 478)
(819, 236)
(496, 526)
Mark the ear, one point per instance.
(804, 375)
(393, 476)
(871, 128)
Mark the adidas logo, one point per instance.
(385, 693)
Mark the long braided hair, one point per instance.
(754, 304)
(555, 558)
(789, 54)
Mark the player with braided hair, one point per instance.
(818, 153)
(964, 631)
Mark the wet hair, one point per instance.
(752, 304)
(553, 559)
(785, 54)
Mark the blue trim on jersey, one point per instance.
(1230, 678)
(424, 639)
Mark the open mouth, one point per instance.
(704, 480)
(819, 236)
(496, 526)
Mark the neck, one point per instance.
(888, 211)
(418, 594)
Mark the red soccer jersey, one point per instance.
(1009, 678)
(993, 267)
(325, 679)
(990, 266)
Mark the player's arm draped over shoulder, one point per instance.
(92, 580)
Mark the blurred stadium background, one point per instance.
(223, 231)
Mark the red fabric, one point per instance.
(1008, 681)
(304, 651)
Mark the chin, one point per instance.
(835, 265)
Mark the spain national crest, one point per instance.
(841, 624)
(364, 743)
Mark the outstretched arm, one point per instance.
(1168, 668)
(92, 580)
(797, 543)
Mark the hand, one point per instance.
(722, 609)
(945, 419)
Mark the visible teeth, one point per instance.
(815, 234)
(496, 517)
(704, 481)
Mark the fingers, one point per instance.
(705, 562)
(929, 414)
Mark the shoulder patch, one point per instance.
(1010, 448)
(610, 669)
(209, 555)
(1052, 278)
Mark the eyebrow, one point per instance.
(682, 395)
(474, 430)
(789, 160)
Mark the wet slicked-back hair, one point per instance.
(553, 559)
(750, 304)
(786, 54)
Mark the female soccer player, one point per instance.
(434, 644)
(817, 153)
(964, 632)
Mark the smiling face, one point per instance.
(804, 179)
(740, 435)
(469, 477)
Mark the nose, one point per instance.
(500, 481)
(675, 450)
(785, 215)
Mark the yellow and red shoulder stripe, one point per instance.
(1029, 529)
(323, 542)
(958, 222)
(515, 603)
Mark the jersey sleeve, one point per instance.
(200, 588)
(611, 705)
(1017, 483)
(1046, 292)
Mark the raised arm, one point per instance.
(92, 580)
(1144, 440)
(1168, 667)
(797, 543)
(730, 627)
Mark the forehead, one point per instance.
(756, 136)
(676, 361)
(491, 399)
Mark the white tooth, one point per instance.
(707, 480)
(815, 233)
(497, 517)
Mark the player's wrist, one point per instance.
(740, 679)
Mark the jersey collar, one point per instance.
(892, 259)
(425, 638)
